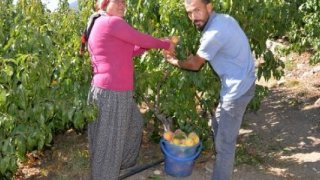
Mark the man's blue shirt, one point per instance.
(226, 47)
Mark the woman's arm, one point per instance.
(138, 51)
(122, 30)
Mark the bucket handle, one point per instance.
(162, 144)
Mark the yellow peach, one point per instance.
(175, 39)
(168, 135)
(194, 137)
(189, 142)
(176, 141)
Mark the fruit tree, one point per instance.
(44, 82)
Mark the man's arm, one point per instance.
(193, 63)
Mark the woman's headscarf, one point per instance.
(102, 4)
(100, 8)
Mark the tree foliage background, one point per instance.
(44, 82)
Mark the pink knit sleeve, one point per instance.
(138, 51)
(122, 30)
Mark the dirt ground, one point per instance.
(280, 141)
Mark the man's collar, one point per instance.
(211, 17)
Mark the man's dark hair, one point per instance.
(204, 1)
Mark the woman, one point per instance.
(115, 136)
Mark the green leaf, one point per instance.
(4, 164)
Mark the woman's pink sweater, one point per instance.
(112, 45)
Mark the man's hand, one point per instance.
(193, 62)
(171, 59)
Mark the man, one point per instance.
(225, 46)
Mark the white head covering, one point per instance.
(102, 4)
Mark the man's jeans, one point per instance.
(225, 126)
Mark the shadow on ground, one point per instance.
(288, 128)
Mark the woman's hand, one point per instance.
(174, 40)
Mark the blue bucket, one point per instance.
(180, 151)
(179, 160)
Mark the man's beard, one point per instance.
(200, 28)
